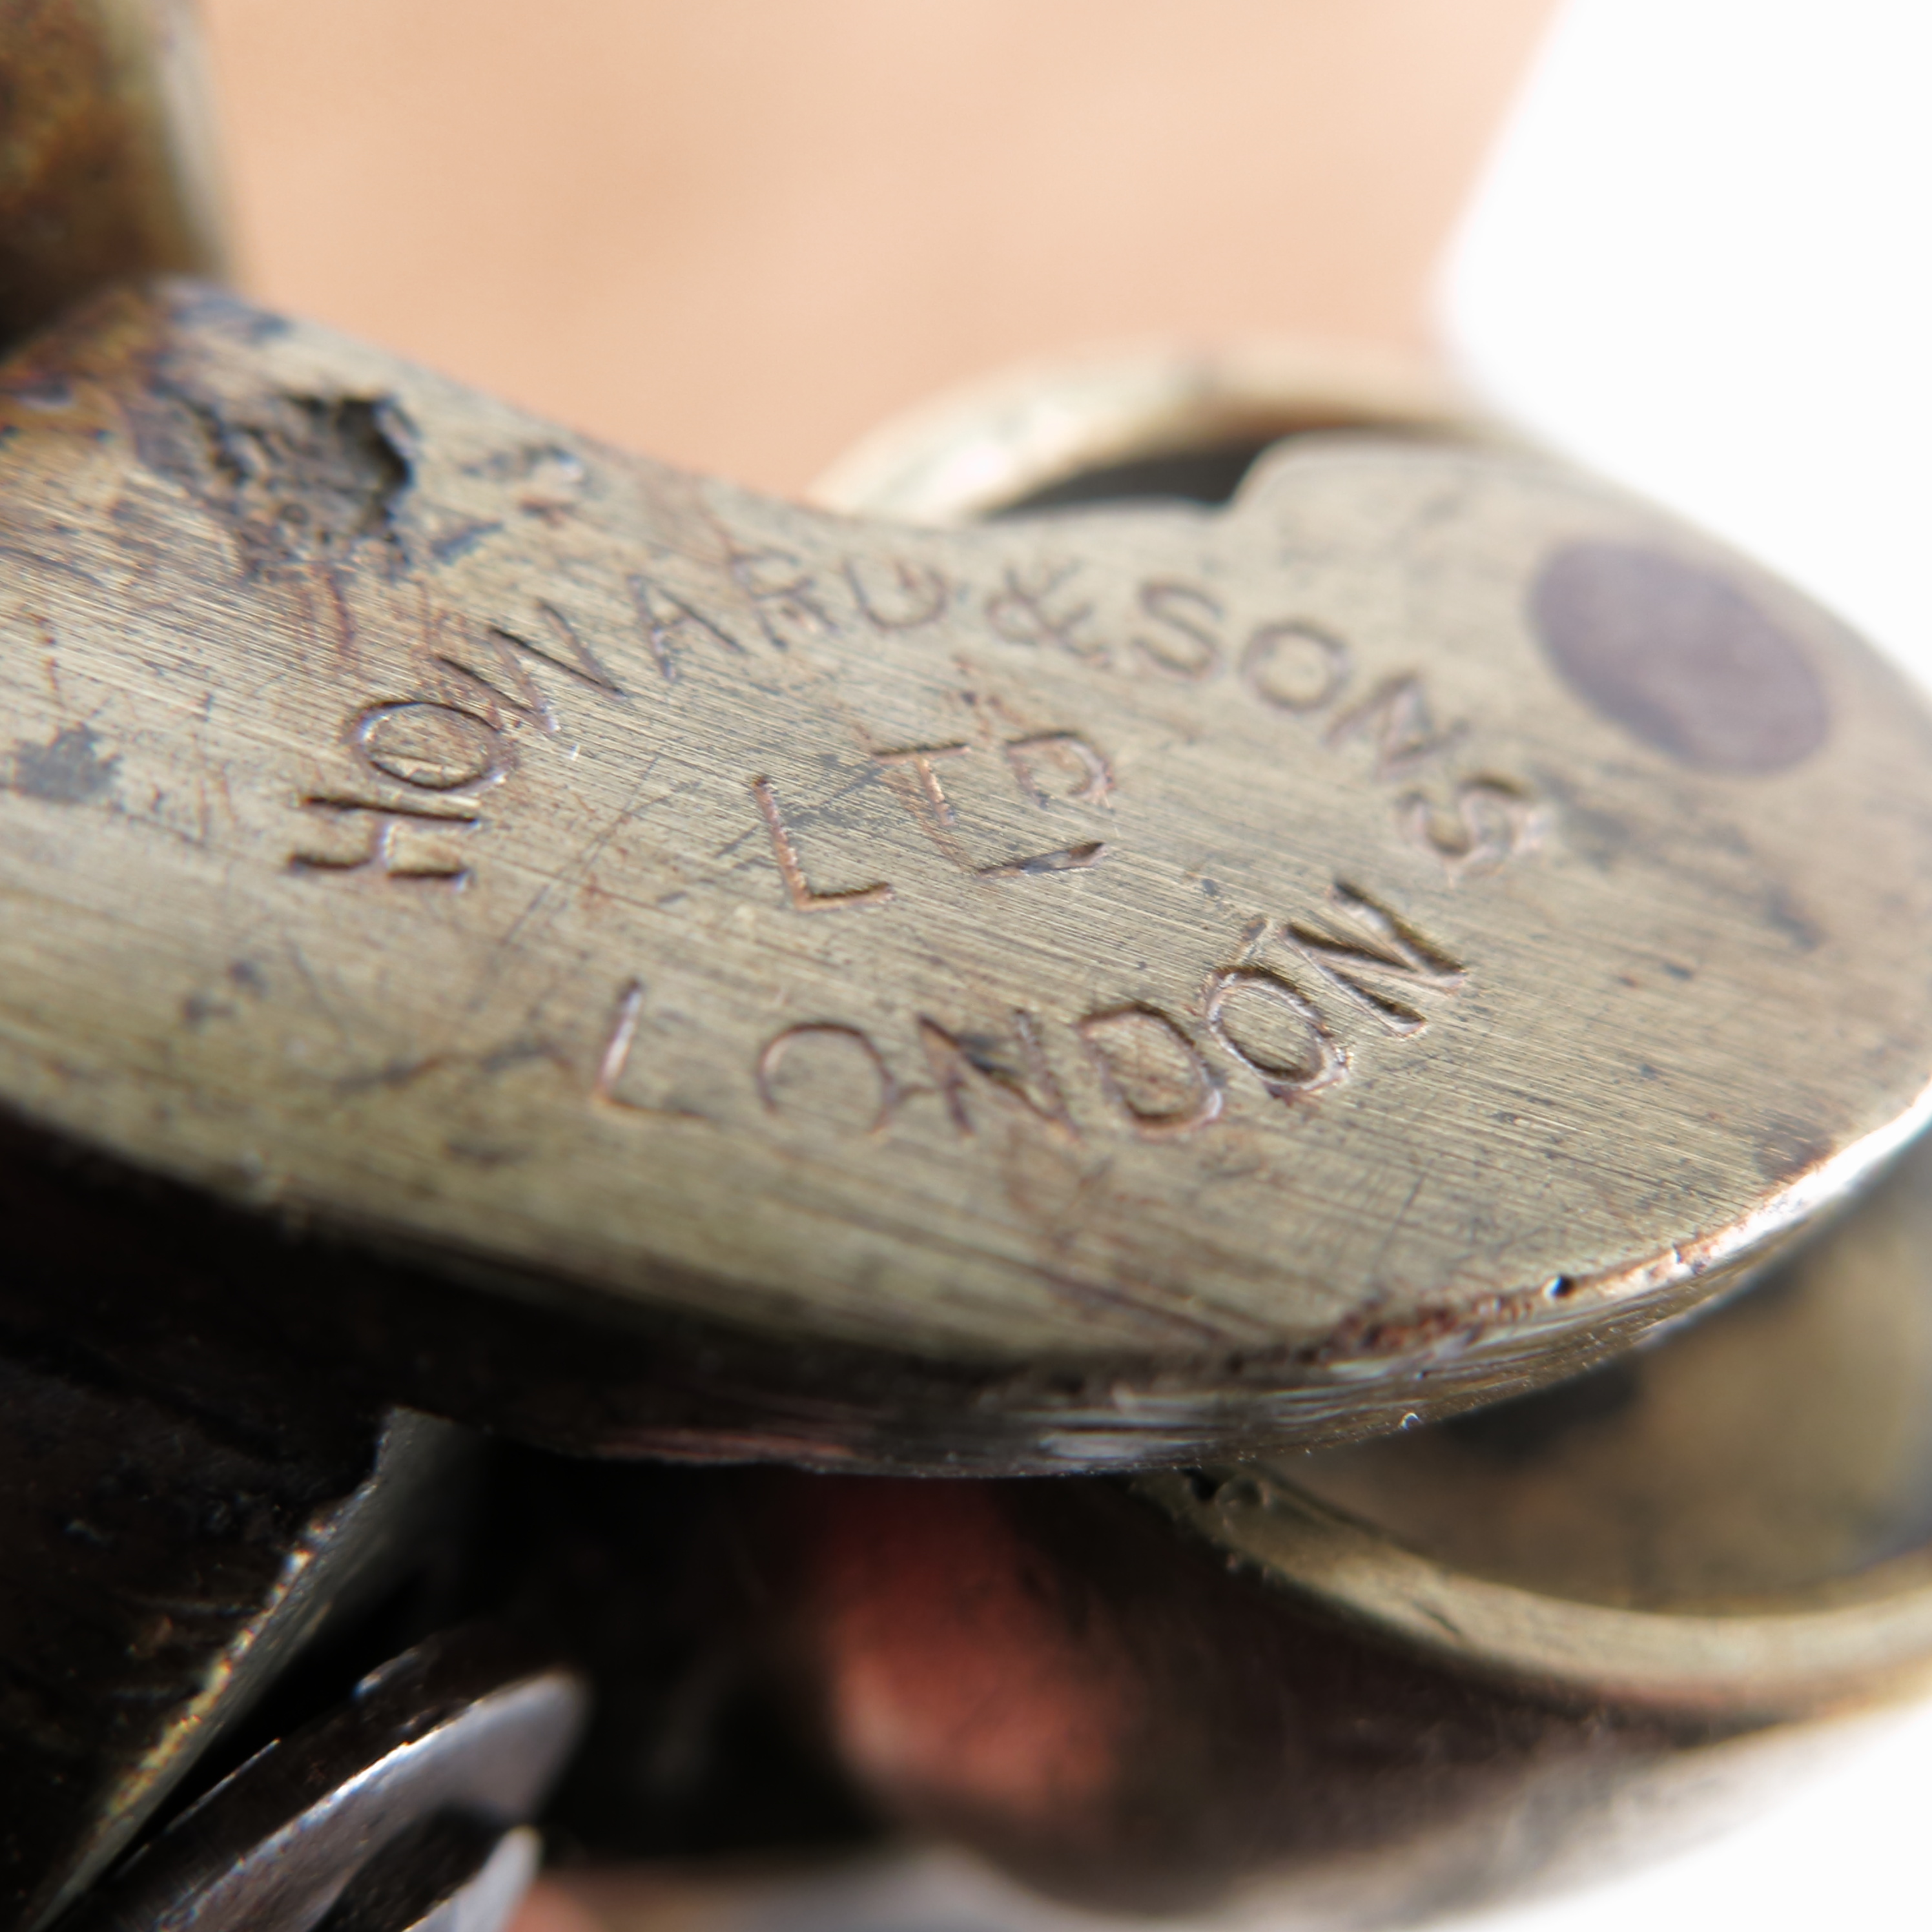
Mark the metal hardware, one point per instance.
(461, 1729)
(163, 1563)
(1152, 1033)
(1109, 427)
(1090, 992)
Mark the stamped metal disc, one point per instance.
(1172, 980)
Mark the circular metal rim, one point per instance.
(1854, 1640)
(977, 449)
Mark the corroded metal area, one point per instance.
(106, 166)
(1208, 978)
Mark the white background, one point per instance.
(1702, 262)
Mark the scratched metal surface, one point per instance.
(1228, 976)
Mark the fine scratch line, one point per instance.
(1067, 859)
(617, 1052)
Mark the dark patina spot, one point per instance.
(299, 480)
(68, 771)
(1679, 656)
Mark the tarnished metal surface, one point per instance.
(105, 152)
(464, 1725)
(1097, 992)
(160, 1566)
(1207, 978)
